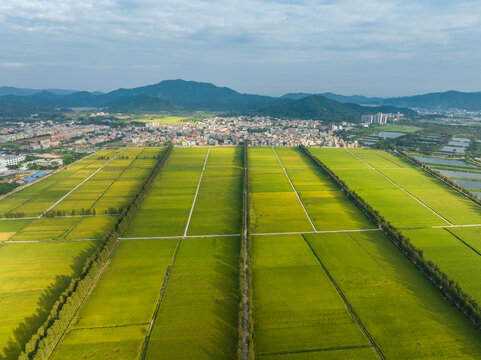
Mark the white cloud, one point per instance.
(152, 34)
(11, 64)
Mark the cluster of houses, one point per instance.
(259, 130)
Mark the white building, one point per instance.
(8, 160)
(378, 118)
(152, 125)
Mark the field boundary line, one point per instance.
(145, 344)
(196, 193)
(464, 242)
(44, 177)
(108, 327)
(55, 217)
(333, 348)
(87, 295)
(48, 241)
(439, 227)
(293, 188)
(399, 186)
(317, 232)
(346, 302)
(431, 167)
(117, 178)
(289, 168)
(104, 192)
(176, 237)
(81, 183)
(24, 186)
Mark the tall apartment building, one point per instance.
(378, 118)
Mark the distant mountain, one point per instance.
(188, 95)
(13, 109)
(435, 101)
(438, 101)
(295, 96)
(10, 90)
(354, 99)
(321, 108)
(191, 95)
(197, 95)
(141, 102)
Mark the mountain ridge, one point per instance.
(205, 96)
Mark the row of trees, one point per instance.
(245, 276)
(19, 214)
(83, 211)
(443, 178)
(448, 287)
(43, 342)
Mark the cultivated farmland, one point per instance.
(186, 287)
(322, 281)
(46, 244)
(37, 198)
(26, 271)
(104, 324)
(168, 210)
(305, 293)
(450, 245)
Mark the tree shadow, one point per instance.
(29, 326)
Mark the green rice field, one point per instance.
(197, 318)
(26, 271)
(38, 197)
(325, 282)
(103, 328)
(454, 250)
(403, 312)
(41, 254)
(296, 306)
(405, 195)
(218, 204)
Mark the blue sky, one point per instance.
(369, 47)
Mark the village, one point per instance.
(31, 150)
(259, 131)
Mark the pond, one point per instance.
(390, 134)
(453, 149)
(432, 160)
(460, 174)
(458, 144)
(470, 184)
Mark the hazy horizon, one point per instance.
(371, 48)
(246, 92)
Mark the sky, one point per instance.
(368, 47)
